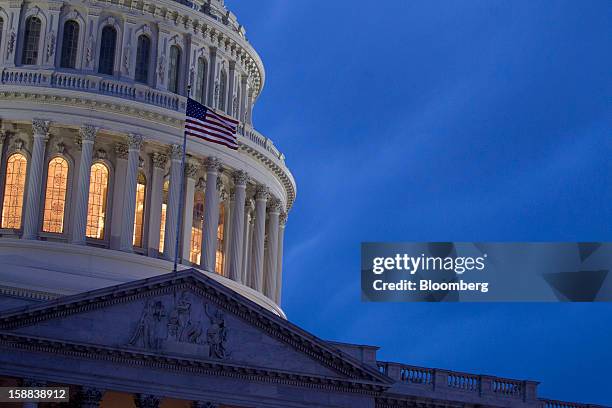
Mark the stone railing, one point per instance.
(121, 89)
(464, 387)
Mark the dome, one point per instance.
(92, 187)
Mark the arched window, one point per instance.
(96, 210)
(55, 196)
(143, 59)
(223, 91)
(162, 228)
(14, 188)
(195, 253)
(175, 69)
(220, 257)
(141, 190)
(70, 44)
(200, 94)
(108, 45)
(31, 38)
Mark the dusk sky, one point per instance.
(469, 120)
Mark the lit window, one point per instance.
(70, 43)
(12, 207)
(141, 189)
(31, 39)
(55, 196)
(220, 258)
(200, 94)
(175, 67)
(195, 253)
(143, 59)
(96, 211)
(222, 91)
(108, 45)
(162, 229)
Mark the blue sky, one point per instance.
(443, 121)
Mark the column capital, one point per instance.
(262, 193)
(134, 141)
(30, 382)
(159, 160)
(3, 134)
(176, 152)
(121, 150)
(202, 404)
(276, 205)
(241, 178)
(201, 184)
(191, 169)
(40, 127)
(212, 164)
(146, 401)
(88, 133)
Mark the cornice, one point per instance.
(184, 365)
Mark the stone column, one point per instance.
(157, 192)
(246, 246)
(129, 195)
(191, 173)
(121, 153)
(229, 108)
(227, 202)
(40, 130)
(211, 215)
(2, 139)
(279, 257)
(174, 198)
(212, 76)
(271, 261)
(243, 98)
(146, 401)
(238, 224)
(249, 108)
(259, 235)
(90, 397)
(88, 137)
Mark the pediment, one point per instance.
(185, 317)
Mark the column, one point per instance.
(2, 139)
(40, 129)
(157, 190)
(30, 383)
(211, 215)
(174, 198)
(229, 107)
(238, 226)
(129, 194)
(243, 98)
(227, 202)
(259, 234)
(121, 154)
(246, 246)
(249, 109)
(191, 173)
(271, 261)
(90, 397)
(146, 401)
(212, 76)
(279, 257)
(88, 137)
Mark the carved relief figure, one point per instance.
(216, 335)
(150, 332)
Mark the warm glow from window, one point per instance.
(14, 188)
(162, 229)
(141, 188)
(220, 258)
(96, 210)
(195, 254)
(55, 196)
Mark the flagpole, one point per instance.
(181, 198)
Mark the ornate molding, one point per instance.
(283, 219)
(191, 169)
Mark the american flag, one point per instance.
(204, 123)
